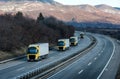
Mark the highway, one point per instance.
(13, 69)
(100, 63)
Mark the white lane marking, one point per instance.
(108, 61)
(20, 69)
(64, 68)
(95, 58)
(89, 63)
(118, 41)
(80, 72)
(106, 69)
(11, 64)
(52, 57)
(99, 54)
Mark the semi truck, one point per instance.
(82, 35)
(37, 51)
(73, 41)
(63, 44)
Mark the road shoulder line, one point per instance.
(108, 61)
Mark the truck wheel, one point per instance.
(42, 57)
(68, 48)
(76, 44)
(38, 58)
(46, 56)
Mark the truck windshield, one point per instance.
(61, 43)
(72, 40)
(32, 50)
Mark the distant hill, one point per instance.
(88, 8)
(117, 8)
(44, 1)
(79, 13)
(108, 9)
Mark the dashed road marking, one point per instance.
(106, 69)
(80, 72)
(20, 69)
(89, 63)
(99, 54)
(95, 58)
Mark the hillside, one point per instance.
(18, 31)
(80, 13)
(108, 9)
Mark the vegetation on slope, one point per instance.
(17, 32)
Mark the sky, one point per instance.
(114, 3)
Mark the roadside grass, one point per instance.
(16, 53)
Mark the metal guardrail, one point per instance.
(39, 72)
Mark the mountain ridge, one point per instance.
(80, 13)
(43, 1)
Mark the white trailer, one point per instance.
(73, 40)
(37, 51)
(82, 35)
(63, 44)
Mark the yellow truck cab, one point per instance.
(73, 41)
(63, 44)
(35, 51)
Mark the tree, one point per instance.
(19, 15)
(40, 17)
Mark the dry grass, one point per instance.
(8, 55)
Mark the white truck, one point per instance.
(82, 35)
(37, 51)
(63, 44)
(73, 41)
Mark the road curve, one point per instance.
(100, 63)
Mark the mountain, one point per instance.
(117, 8)
(43, 1)
(108, 9)
(26, 0)
(88, 8)
(79, 13)
(47, 1)
(98, 8)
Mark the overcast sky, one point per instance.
(114, 3)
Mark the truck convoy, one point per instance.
(63, 44)
(41, 50)
(73, 41)
(37, 51)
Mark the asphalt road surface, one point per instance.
(100, 63)
(13, 69)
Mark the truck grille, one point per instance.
(72, 43)
(32, 57)
(60, 48)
